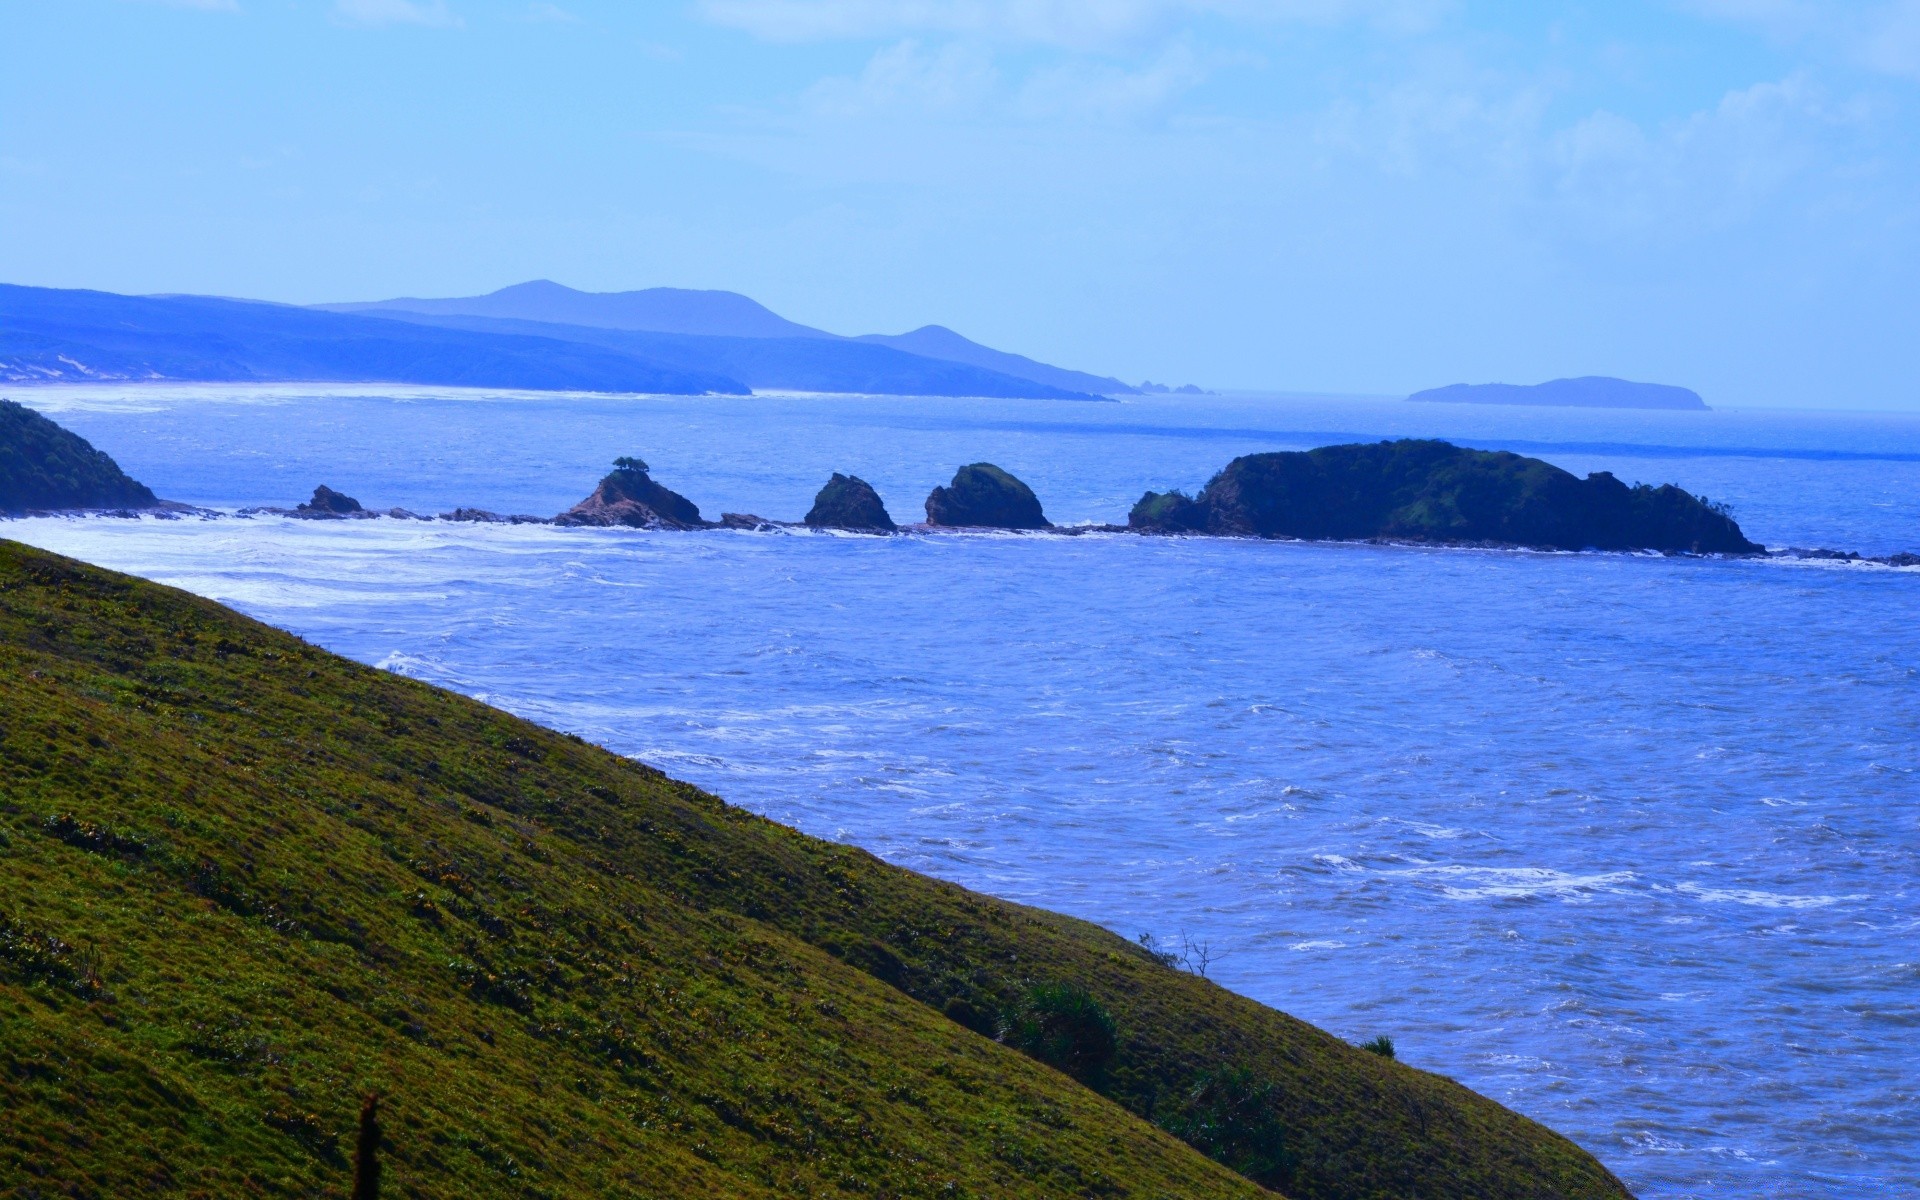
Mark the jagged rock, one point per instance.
(849, 502)
(44, 467)
(747, 521)
(1434, 491)
(327, 503)
(483, 517)
(982, 496)
(629, 496)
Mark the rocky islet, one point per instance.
(982, 496)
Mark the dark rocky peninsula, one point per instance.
(629, 496)
(1589, 391)
(849, 502)
(982, 496)
(44, 468)
(1433, 491)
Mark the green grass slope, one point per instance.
(244, 881)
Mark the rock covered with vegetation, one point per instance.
(45, 468)
(982, 496)
(849, 502)
(1434, 491)
(629, 496)
(245, 883)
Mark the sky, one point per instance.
(1366, 196)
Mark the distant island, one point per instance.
(1588, 391)
(1433, 491)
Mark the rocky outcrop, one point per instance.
(628, 496)
(45, 468)
(328, 503)
(982, 496)
(849, 502)
(1433, 491)
(480, 516)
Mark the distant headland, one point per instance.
(537, 336)
(1588, 391)
(46, 468)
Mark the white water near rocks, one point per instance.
(1628, 843)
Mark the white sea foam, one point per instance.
(1756, 898)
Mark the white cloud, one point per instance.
(201, 5)
(1097, 89)
(1892, 43)
(431, 13)
(906, 78)
(1075, 24)
(962, 77)
(1883, 36)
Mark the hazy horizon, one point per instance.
(1364, 197)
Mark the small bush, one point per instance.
(1382, 1045)
(961, 1012)
(1063, 1026)
(34, 956)
(1229, 1115)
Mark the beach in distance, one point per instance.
(1652, 806)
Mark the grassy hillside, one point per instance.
(243, 881)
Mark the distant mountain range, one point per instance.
(545, 307)
(1589, 391)
(535, 336)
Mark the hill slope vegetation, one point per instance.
(43, 466)
(246, 881)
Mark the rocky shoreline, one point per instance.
(1410, 492)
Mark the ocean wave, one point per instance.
(1755, 898)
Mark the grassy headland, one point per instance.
(244, 882)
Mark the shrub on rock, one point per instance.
(982, 496)
(849, 502)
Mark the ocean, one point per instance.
(1628, 843)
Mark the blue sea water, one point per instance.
(1628, 843)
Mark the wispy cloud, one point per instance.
(908, 78)
(1882, 36)
(1081, 88)
(1074, 24)
(201, 5)
(431, 13)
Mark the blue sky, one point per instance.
(1344, 195)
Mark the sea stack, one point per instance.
(44, 467)
(1433, 491)
(982, 496)
(628, 496)
(328, 503)
(849, 502)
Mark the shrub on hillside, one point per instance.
(1063, 1026)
